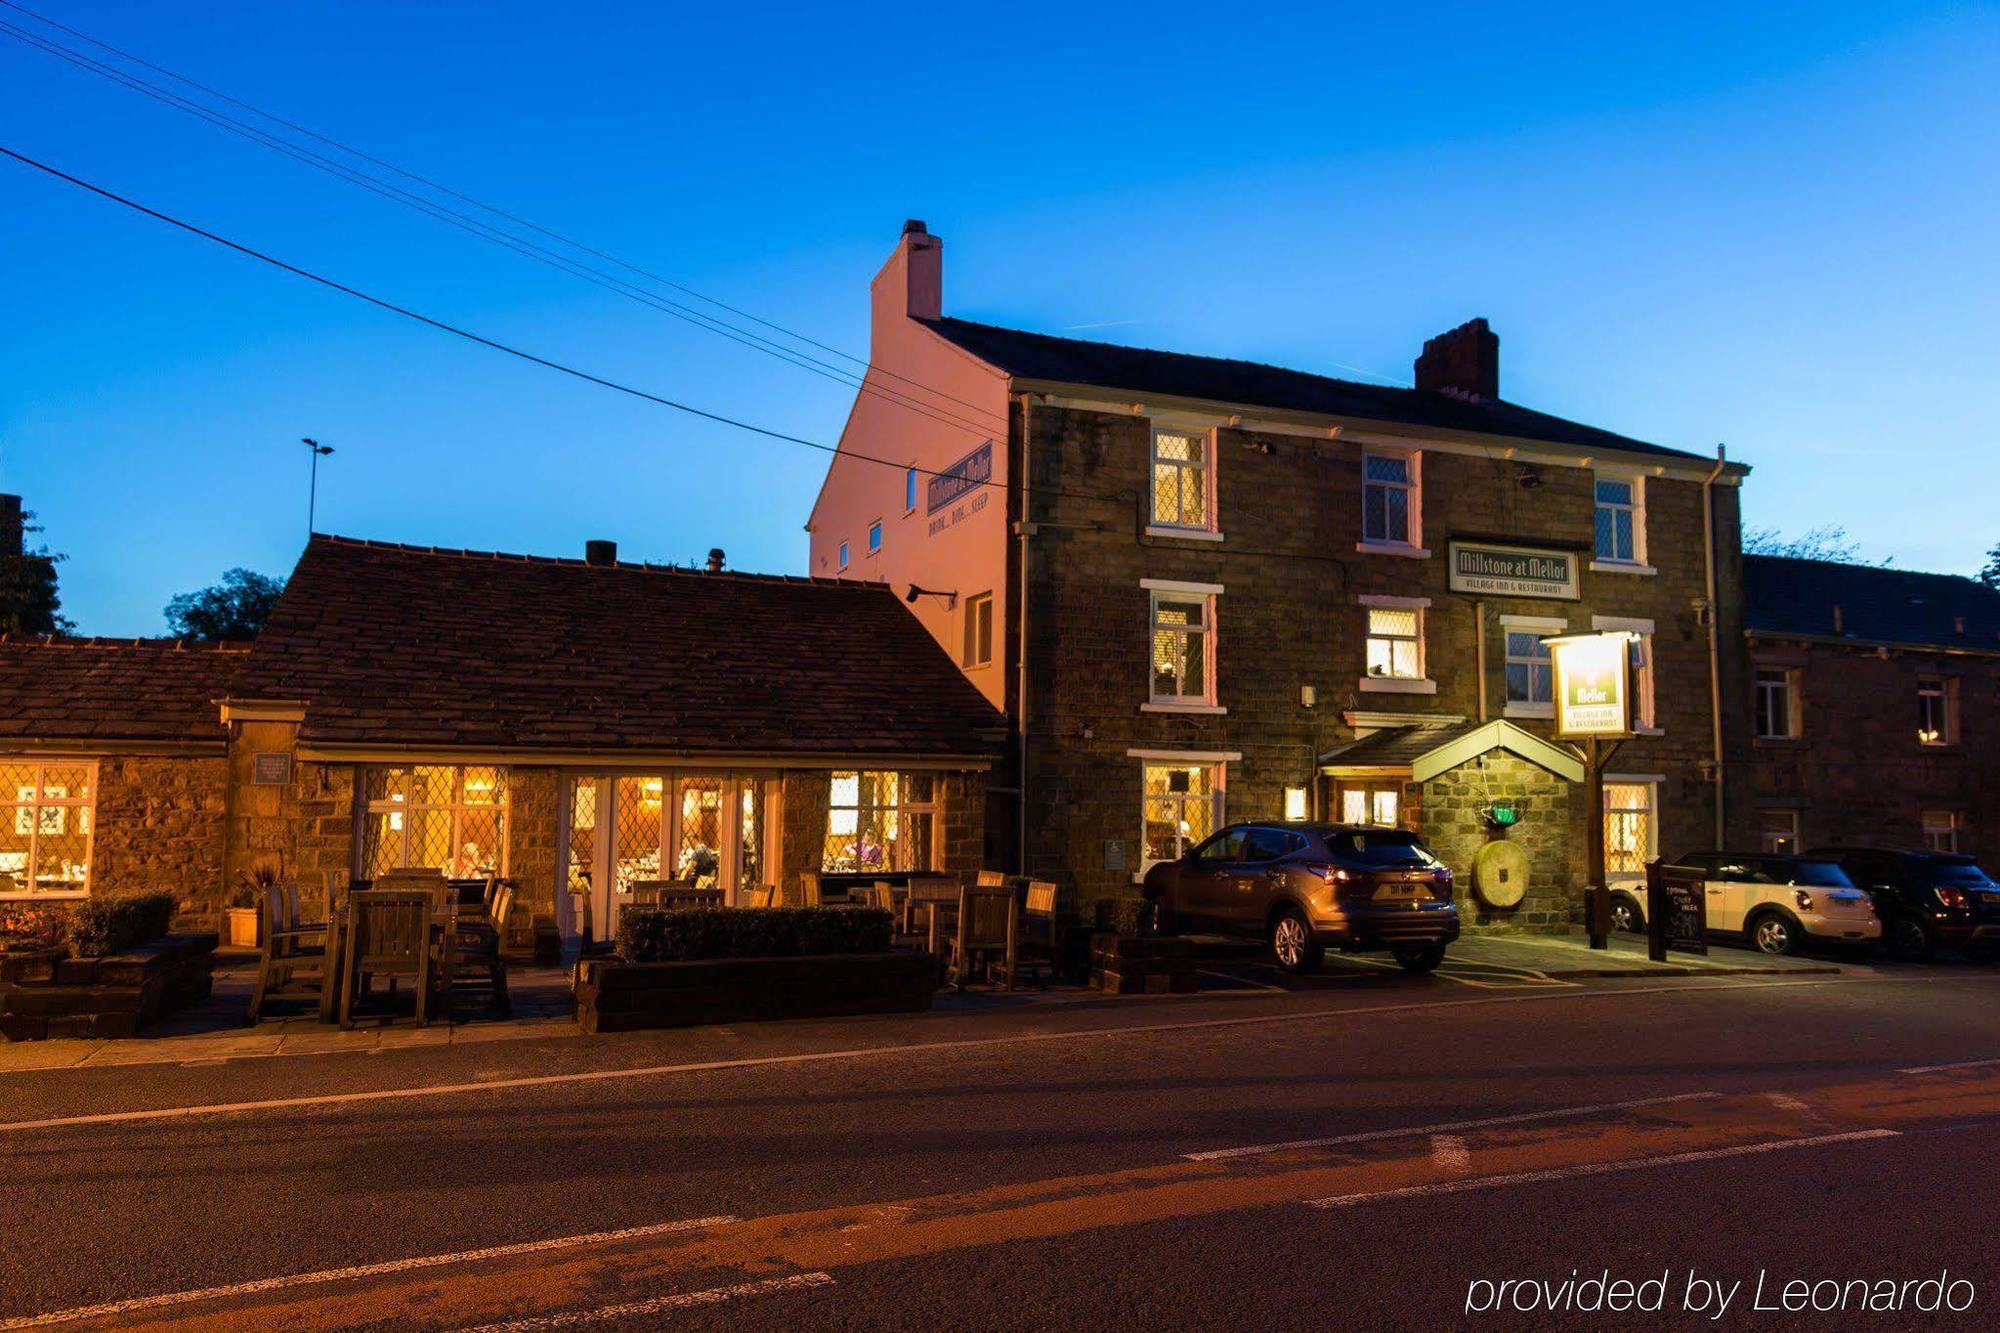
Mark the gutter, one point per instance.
(1714, 643)
(1025, 529)
(1755, 636)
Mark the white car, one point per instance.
(1778, 904)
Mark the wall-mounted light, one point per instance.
(950, 598)
(1295, 803)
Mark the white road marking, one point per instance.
(1939, 1069)
(171, 1298)
(871, 1052)
(1449, 1153)
(1524, 1117)
(661, 1304)
(1784, 1101)
(1595, 1168)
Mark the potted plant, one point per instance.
(244, 917)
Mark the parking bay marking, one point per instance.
(1596, 1168)
(1414, 1131)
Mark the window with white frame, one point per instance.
(1182, 494)
(875, 536)
(978, 630)
(1181, 804)
(1396, 642)
(1183, 647)
(1389, 498)
(1621, 519)
(1934, 721)
(46, 814)
(910, 491)
(1941, 830)
(1776, 704)
(1778, 831)
(1530, 670)
(880, 821)
(444, 816)
(1631, 827)
(843, 555)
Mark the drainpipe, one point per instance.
(1021, 649)
(1479, 650)
(1714, 639)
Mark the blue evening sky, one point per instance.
(1770, 226)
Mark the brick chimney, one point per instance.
(1465, 360)
(12, 540)
(598, 551)
(911, 283)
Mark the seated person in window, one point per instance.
(698, 864)
(867, 852)
(468, 863)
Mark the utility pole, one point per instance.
(317, 450)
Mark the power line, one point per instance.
(484, 341)
(483, 230)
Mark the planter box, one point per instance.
(112, 996)
(1142, 965)
(243, 927)
(616, 996)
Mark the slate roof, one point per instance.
(1039, 356)
(1398, 747)
(413, 647)
(1783, 596)
(57, 689)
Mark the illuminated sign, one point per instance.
(1593, 680)
(1513, 571)
(967, 474)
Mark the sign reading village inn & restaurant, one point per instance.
(1593, 684)
(1513, 571)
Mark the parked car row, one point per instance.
(1914, 903)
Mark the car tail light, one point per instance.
(1948, 896)
(1334, 874)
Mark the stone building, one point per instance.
(1874, 704)
(1205, 589)
(574, 725)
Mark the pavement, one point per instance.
(1363, 1149)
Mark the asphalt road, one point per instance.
(1279, 1160)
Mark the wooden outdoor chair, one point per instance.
(760, 896)
(296, 961)
(388, 931)
(928, 896)
(478, 949)
(882, 895)
(988, 920)
(1041, 934)
(676, 896)
(810, 894)
(991, 879)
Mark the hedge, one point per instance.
(690, 934)
(92, 927)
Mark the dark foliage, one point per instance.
(1131, 915)
(29, 602)
(93, 927)
(233, 609)
(691, 934)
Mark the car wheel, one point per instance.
(1292, 942)
(1421, 960)
(1774, 934)
(1625, 916)
(1907, 940)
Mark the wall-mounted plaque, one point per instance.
(271, 768)
(1513, 571)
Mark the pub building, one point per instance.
(1205, 590)
(575, 725)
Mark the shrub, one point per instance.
(112, 924)
(691, 934)
(33, 925)
(1128, 915)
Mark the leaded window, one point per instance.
(46, 815)
(880, 821)
(434, 816)
(1180, 479)
(1388, 487)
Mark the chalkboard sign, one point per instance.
(1676, 911)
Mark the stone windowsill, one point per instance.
(1168, 706)
(1621, 567)
(1397, 685)
(1182, 534)
(1777, 742)
(1393, 548)
(1543, 711)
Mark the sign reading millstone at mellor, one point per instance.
(1513, 571)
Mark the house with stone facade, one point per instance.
(1204, 589)
(1875, 706)
(572, 724)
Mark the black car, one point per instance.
(1309, 887)
(1927, 900)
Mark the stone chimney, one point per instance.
(12, 526)
(1464, 361)
(715, 559)
(597, 551)
(911, 283)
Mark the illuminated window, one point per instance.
(1182, 646)
(1778, 831)
(1181, 492)
(439, 816)
(978, 629)
(1370, 805)
(1934, 711)
(1621, 520)
(910, 491)
(1396, 642)
(1389, 498)
(1776, 706)
(1631, 828)
(1296, 803)
(45, 825)
(1181, 805)
(1941, 830)
(875, 536)
(880, 822)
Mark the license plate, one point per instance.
(1397, 892)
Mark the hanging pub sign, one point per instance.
(1513, 571)
(1593, 683)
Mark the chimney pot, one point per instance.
(916, 226)
(12, 526)
(715, 553)
(598, 551)
(1464, 360)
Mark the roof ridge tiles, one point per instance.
(567, 561)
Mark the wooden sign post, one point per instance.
(1593, 689)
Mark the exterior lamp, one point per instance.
(1295, 803)
(1593, 689)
